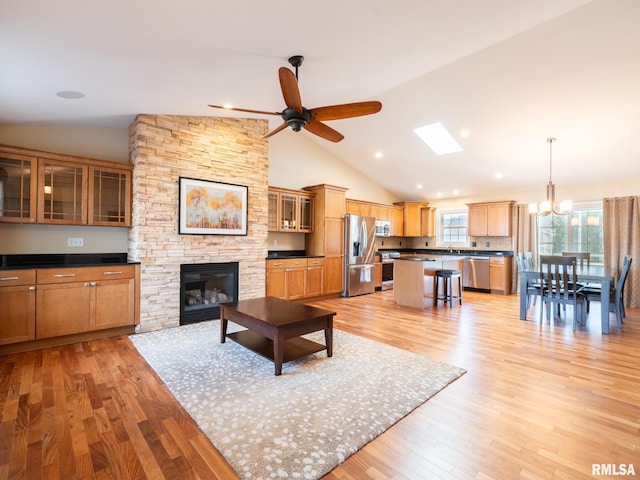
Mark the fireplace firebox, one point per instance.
(203, 287)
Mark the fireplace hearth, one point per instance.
(203, 287)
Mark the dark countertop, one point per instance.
(57, 260)
(456, 252)
(272, 254)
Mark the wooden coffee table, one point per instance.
(275, 326)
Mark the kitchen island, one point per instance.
(414, 278)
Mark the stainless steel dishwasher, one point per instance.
(475, 273)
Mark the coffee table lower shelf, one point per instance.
(294, 348)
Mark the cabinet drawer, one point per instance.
(496, 261)
(315, 262)
(85, 274)
(10, 278)
(287, 263)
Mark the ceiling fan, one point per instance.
(296, 116)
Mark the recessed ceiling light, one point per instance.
(419, 185)
(498, 175)
(464, 133)
(378, 154)
(438, 139)
(439, 194)
(456, 192)
(70, 94)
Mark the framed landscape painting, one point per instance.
(212, 208)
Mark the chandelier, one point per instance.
(549, 205)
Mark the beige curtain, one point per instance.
(525, 238)
(621, 236)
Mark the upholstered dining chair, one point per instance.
(559, 286)
(616, 294)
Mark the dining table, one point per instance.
(605, 276)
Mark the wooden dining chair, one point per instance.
(525, 262)
(583, 259)
(559, 286)
(616, 293)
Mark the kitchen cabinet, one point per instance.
(290, 210)
(411, 217)
(357, 207)
(428, 222)
(396, 217)
(327, 238)
(18, 180)
(74, 300)
(377, 275)
(490, 219)
(294, 278)
(500, 274)
(52, 188)
(18, 305)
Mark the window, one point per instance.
(580, 231)
(452, 228)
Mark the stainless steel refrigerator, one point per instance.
(359, 245)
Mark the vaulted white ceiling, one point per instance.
(510, 72)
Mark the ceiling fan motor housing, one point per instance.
(295, 119)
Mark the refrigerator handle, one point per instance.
(363, 236)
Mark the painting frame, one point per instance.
(211, 208)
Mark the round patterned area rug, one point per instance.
(303, 423)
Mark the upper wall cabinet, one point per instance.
(412, 218)
(45, 187)
(18, 178)
(490, 219)
(290, 210)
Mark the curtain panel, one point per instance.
(525, 239)
(621, 237)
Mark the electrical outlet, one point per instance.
(275, 243)
(426, 244)
(75, 241)
(488, 244)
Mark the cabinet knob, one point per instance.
(32, 288)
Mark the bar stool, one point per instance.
(447, 276)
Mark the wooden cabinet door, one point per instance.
(274, 209)
(377, 275)
(500, 275)
(18, 306)
(396, 215)
(112, 303)
(477, 220)
(275, 283)
(315, 277)
(428, 222)
(62, 309)
(18, 180)
(354, 208)
(333, 274)
(64, 191)
(499, 220)
(109, 202)
(305, 214)
(296, 282)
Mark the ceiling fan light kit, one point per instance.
(298, 117)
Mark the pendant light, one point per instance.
(549, 205)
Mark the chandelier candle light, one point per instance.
(549, 205)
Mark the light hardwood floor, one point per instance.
(537, 402)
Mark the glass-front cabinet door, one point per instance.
(288, 212)
(306, 214)
(63, 195)
(17, 188)
(109, 197)
(273, 211)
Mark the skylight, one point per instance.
(438, 139)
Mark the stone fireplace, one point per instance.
(165, 148)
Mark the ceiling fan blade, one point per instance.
(233, 109)
(346, 110)
(324, 131)
(275, 130)
(290, 90)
